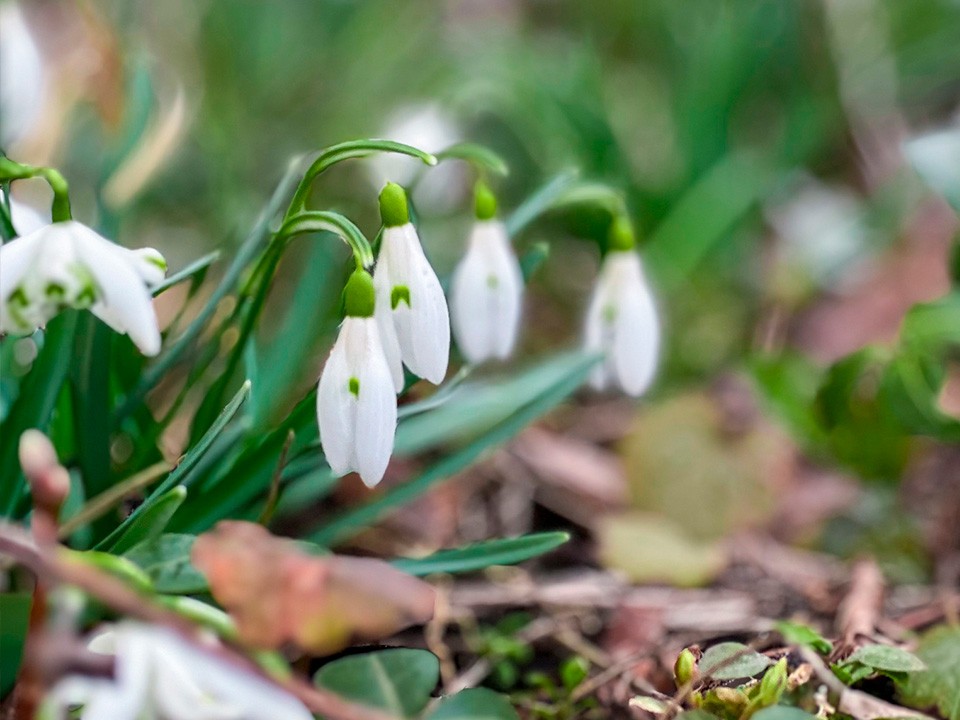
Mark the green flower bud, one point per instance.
(685, 668)
(484, 201)
(620, 236)
(359, 295)
(393, 206)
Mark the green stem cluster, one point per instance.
(60, 209)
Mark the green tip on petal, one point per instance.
(484, 202)
(359, 295)
(393, 206)
(620, 235)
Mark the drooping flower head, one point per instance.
(411, 308)
(67, 264)
(356, 402)
(486, 299)
(622, 318)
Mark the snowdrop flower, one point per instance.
(622, 318)
(486, 298)
(411, 309)
(66, 264)
(159, 675)
(356, 402)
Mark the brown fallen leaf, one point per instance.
(278, 594)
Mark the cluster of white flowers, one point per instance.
(399, 317)
(396, 318)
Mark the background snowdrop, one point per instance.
(622, 318)
(411, 307)
(486, 295)
(356, 402)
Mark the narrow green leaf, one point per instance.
(196, 269)
(474, 704)
(150, 523)
(248, 251)
(355, 520)
(15, 611)
(34, 405)
(398, 681)
(540, 202)
(193, 456)
(705, 215)
(505, 551)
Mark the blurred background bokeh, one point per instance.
(768, 150)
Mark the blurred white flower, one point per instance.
(160, 676)
(486, 295)
(356, 400)
(821, 229)
(66, 264)
(622, 323)
(410, 305)
(429, 127)
(22, 76)
(936, 156)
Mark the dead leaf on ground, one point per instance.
(278, 594)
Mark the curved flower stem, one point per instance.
(482, 158)
(60, 210)
(562, 192)
(312, 221)
(345, 151)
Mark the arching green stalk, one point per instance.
(483, 159)
(322, 221)
(346, 151)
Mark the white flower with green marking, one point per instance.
(159, 675)
(356, 401)
(66, 264)
(622, 319)
(486, 296)
(411, 308)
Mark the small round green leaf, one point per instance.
(474, 704)
(398, 681)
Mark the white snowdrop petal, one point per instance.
(149, 264)
(376, 419)
(426, 344)
(25, 218)
(509, 292)
(383, 285)
(470, 314)
(126, 696)
(247, 695)
(16, 259)
(336, 412)
(637, 342)
(121, 290)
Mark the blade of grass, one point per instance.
(502, 551)
(193, 456)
